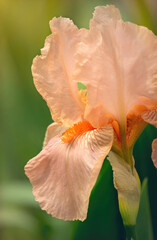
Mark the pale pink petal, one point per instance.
(122, 58)
(53, 130)
(154, 152)
(52, 72)
(63, 174)
(150, 117)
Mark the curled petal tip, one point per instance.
(106, 13)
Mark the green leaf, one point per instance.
(144, 224)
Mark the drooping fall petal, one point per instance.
(63, 174)
(120, 56)
(52, 72)
(127, 184)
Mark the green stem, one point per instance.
(130, 233)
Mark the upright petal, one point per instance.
(120, 56)
(63, 174)
(52, 72)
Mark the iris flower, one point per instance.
(117, 63)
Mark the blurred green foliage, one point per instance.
(25, 116)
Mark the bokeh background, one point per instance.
(24, 117)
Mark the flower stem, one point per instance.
(130, 233)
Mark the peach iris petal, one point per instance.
(117, 61)
(63, 174)
(52, 72)
(154, 152)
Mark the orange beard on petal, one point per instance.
(76, 129)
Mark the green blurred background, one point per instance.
(24, 117)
